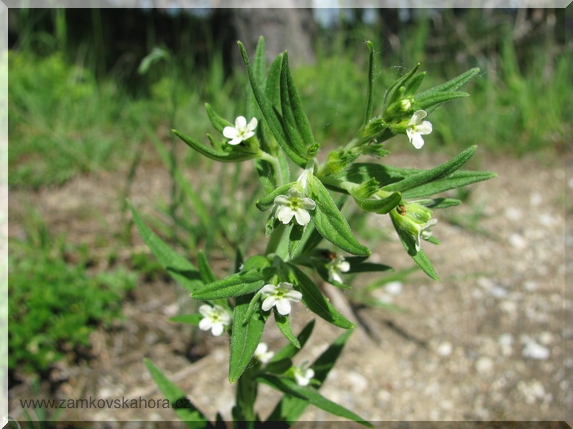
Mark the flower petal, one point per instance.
(308, 204)
(285, 214)
(283, 306)
(205, 310)
(217, 329)
(424, 128)
(283, 200)
(294, 295)
(302, 217)
(268, 303)
(253, 124)
(416, 140)
(230, 132)
(240, 123)
(205, 324)
(268, 289)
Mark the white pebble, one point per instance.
(484, 365)
(517, 241)
(513, 214)
(393, 288)
(535, 199)
(445, 349)
(534, 350)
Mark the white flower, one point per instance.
(279, 296)
(337, 266)
(302, 375)
(416, 128)
(214, 318)
(293, 204)
(242, 131)
(261, 353)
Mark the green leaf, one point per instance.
(414, 84)
(182, 271)
(233, 156)
(295, 237)
(456, 180)
(154, 56)
(424, 263)
(279, 366)
(368, 267)
(380, 206)
(190, 319)
(439, 203)
(267, 202)
(289, 387)
(290, 408)
(429, 104)
(295, 120)
(283, 323)
(244, 338)
(314, 299)
(437, 173)
(184, 408)
(451, 85)
(260, 73)
(217, 121)
(270, 114)
(330, 223)
(236, 284)
(369, 104)
(204, 269)
(289, 351)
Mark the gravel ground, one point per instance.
(493, 340)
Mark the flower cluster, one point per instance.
(215, 318)
(416, 128)
(294, 205)
(415, 220)
(242, 131)
(336, 267)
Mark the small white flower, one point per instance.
(416, 128)
(280, 296)
(337, 266)
(302, 375)
(214, 318)
(242, 131)
(261, 353)
(293, 204)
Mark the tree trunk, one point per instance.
(283, 29)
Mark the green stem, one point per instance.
(274, 161)
(274, 241)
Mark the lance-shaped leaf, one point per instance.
(314, 299)
(437, 173)
(451, 85)
(330, 223)
(289, 387)
(295, 120)
(182, 271)
(244, 337)
(217, 121)
(185, 409)
(430, 104)
(267, 202)
(236, 284)
(260, 73)
(271, 115)
(217, 155)
(290, 408)
(369, 104)
(456, 180)
(190, 319)
(289, 351)
(283, 323)
(381, 205)
(204, 269)
(439, 203)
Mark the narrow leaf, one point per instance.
(190, 319)
(314, 299)
(234, 156)
(330, 223)
(289, 386)
(424, 263)
(456, 180)
(433, 174)
(244, 338)
(204, 269)
(182, 271)
(271, 115)
(184, 408)
(267, 202)
(289, 351)
(369, 104)
(236, 284)
(217, 121)
(283, 323)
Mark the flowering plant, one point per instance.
(302, 215)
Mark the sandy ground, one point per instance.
(493, 340)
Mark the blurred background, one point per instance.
(94, 93)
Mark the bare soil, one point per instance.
(493, 340)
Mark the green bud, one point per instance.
(413, 222)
